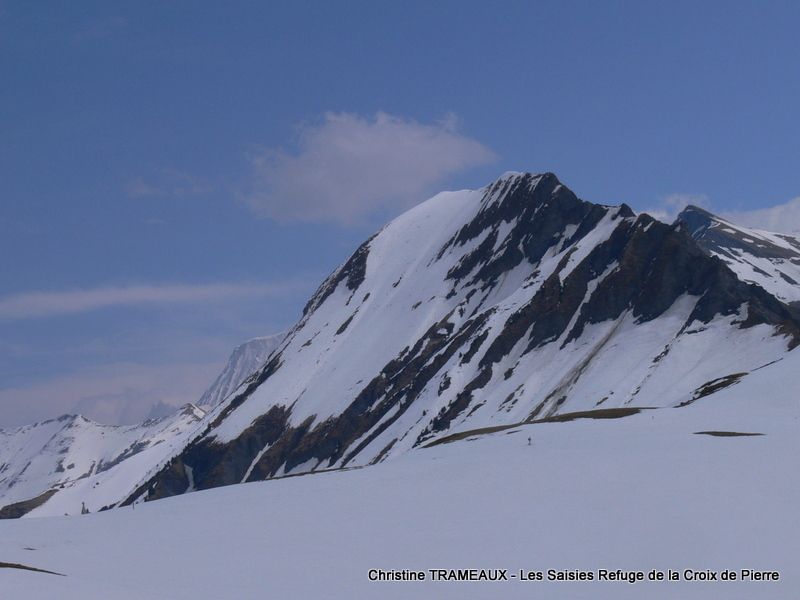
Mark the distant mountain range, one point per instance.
(86, 462)
(518, 302)
(67, 461)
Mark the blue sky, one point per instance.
(176, 177)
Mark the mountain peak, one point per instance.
(245, 360)
(695, 220)
(510, 303)
(769, 260)
(511, 175)
(480, 308)
(693, 208)
(515, 179)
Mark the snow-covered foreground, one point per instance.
(641, 492)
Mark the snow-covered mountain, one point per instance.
(57, 466)
(245, 360)
(477, 309)
(71, 460)
(771, 260)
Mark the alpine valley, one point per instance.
(473, 326)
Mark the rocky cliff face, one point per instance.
(515, 302)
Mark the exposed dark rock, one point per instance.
(330, 441)
(19, 509)
(604, 413)
(134, 449)
(463, 399)
(728, 433)
(653, 265)
(474, 347)
(540, 208)
(5, 565)
(383, 452)
(712, 235)
(352, 273)
(445, 384)
(344, 325)
(713, 386)
(214, 464)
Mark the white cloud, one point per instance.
(347, 167)
(783, 218)
(120, 393)
(53, 303)
(669, 206)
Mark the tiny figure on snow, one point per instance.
(84, 510)
(529, 441)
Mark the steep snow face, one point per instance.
(245, 360)
(636, 493)
(771, 260)
(511, 303)
(52, 467)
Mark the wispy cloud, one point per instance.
(52, 303)
(669, 206)
(167, 183)
(347, 167)
(783, 218)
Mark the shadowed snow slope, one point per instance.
(640, 492)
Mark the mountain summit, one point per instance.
(512, 303)
(245, 359)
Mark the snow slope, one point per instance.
(771, 260)
(640, 492)
(85, 461)
(245, 360)
(481, 308)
